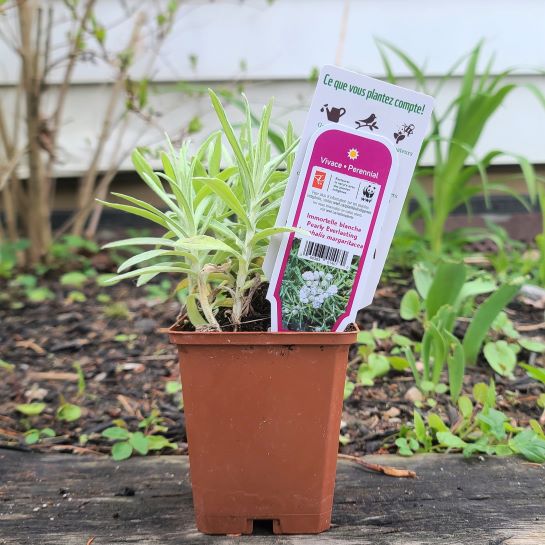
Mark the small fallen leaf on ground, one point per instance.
(392, 412)
(30, 344)
(413, 394)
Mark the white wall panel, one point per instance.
(279, 44)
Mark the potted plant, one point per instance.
(262, 409)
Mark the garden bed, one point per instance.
(128, 369)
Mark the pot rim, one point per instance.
(285, 338)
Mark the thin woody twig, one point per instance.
(379, 468)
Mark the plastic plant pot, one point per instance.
(263, 413)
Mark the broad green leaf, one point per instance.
(435, 423)
(449, 440)
(480, 392)
(484, 317)
(115, 432)
(423, 278)
(121, 451)
(403, 446)
(500, 357)
(173, 387)
(401, 340)
(398, 363)
(30, 409)
(465, 406)
(493, 421)
(139, 442)
(39, 295)
(529, 445)
(32, 436)
(158, 442)
(68, 412)
(378, 364)
(532, 345)
(75, 278)
(410, 305)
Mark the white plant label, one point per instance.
(350, 178)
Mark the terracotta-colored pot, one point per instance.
(262, 414)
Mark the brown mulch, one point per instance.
(127, 363)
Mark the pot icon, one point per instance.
(333, 114)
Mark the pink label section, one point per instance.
(352, 155)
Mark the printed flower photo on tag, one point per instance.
(314, 294)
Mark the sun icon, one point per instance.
(353, 153)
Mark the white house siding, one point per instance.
(271, 48)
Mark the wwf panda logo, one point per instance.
(368, 193)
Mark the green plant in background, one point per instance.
(480, 428)
(217, 221)
(148, 437)
(540, 238)
(455, 162)
(443, 294)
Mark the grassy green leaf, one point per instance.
(446, 286)
(348, 389)
(420, 428)
(537, 373)
(484, 318)
(456, 368)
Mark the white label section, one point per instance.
(338, 209)
(312, 250)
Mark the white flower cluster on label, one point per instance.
(317, 288)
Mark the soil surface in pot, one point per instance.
(128, 368)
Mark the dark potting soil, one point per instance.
(126, 364)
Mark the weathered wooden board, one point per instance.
(67, 500)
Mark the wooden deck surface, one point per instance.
(68, 500)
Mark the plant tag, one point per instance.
(343, 190)
(355, 106)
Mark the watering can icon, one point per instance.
(333, 114)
